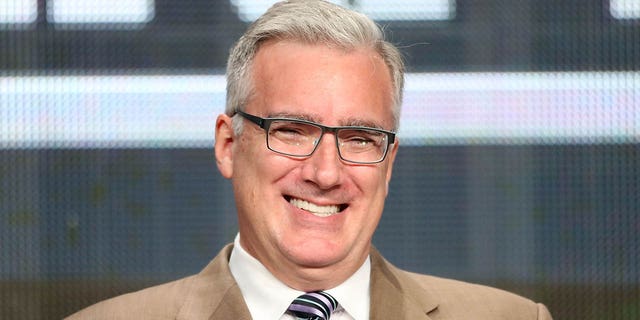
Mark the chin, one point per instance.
(317, 254)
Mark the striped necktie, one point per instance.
(313, 306)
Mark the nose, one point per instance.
(324, 167)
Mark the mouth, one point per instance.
(315, 209)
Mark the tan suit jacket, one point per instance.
(395, 294)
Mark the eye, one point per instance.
(286, 130)
(361, 139)
(358, 141)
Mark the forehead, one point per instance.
(321, 83)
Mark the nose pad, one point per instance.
(329, 146)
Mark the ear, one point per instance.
(224, 145)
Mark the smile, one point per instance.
(317, 210)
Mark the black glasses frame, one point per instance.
(265, 124)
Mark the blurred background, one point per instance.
(519, 164)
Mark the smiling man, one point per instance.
(308, 210)
(308, 142)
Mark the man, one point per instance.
(308, 142)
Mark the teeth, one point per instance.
(320, 211)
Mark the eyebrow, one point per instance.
(294, 116)
(351, 122)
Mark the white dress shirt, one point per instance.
(268, 298)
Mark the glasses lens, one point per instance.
(296, 138)
(292, 137)
(362, 145)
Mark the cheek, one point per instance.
(371, 183)
(260, 167)
(250, 155)
(377, 179)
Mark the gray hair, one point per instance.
(309, 21)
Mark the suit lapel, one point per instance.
(214, 293)
(394, 295)
(231, 306)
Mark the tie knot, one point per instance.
(313, 306)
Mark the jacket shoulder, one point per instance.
(158, 302)
(210, 292)
(464, 300)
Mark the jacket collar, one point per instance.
(214, 293)
(395, 295)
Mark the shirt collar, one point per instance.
(271, 298)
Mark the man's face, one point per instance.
(276, 195)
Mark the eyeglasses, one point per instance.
(300, 138)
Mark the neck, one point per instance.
(308, 277)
